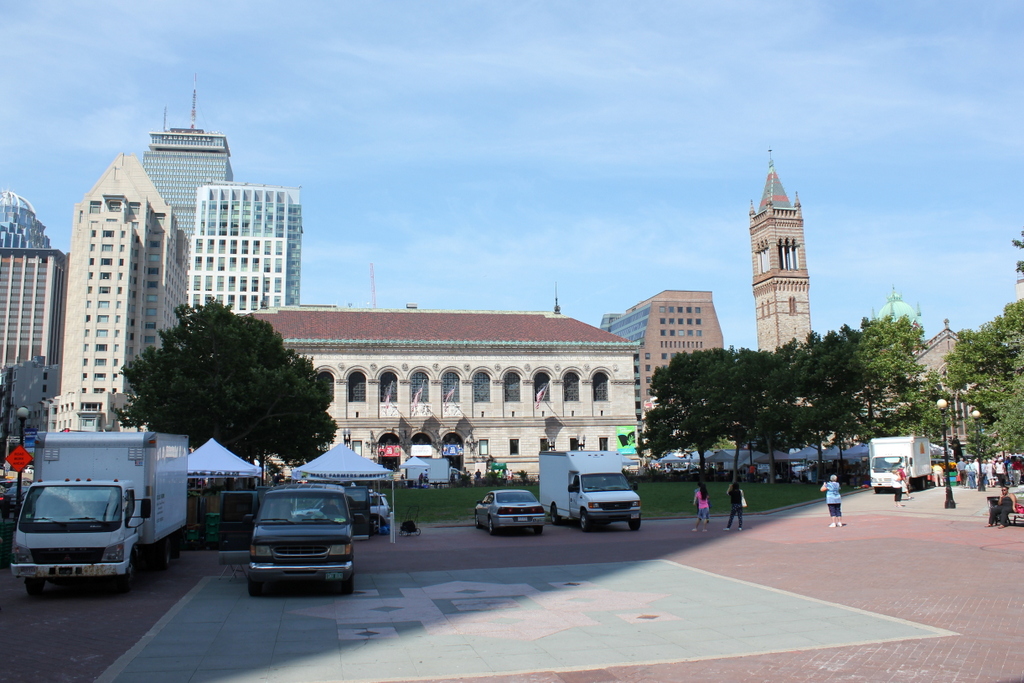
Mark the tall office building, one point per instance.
(781, 284)
(126, 275)
(180, 160)
(19, 227)
(247, 247)
(668, 323)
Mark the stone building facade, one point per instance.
(474, 386)
(781, 283)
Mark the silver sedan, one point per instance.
(509, 508)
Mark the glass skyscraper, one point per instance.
(179, 161)
(246, 251)
(19, 227)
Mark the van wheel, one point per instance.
(35, 586)
(255, 588)
(634, 524)
(585, 523)
(123, 583)
(556, 518)
(348, 586)
(160, 554)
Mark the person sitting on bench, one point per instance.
(999, 514)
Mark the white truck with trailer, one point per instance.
(100, 504)
(913, 453)
(588, 486)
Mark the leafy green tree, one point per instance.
(893, 394)
(228, 377)
(985, 363)
(690, 404)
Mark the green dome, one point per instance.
(896, 307)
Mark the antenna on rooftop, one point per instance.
(165, 118)
(193, 101)
(373, 289)
(558, 309)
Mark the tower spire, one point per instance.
(193, 101)
(558, 309)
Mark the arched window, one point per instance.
(357, 388)
(450, 387)
(511, 387)
(388, 387)
(419, 387)
(325, 377)
(481, 388)
(600, 386)
(571, 387)
(541, 387)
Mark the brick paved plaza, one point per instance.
(787, 599)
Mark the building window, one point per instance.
(663, 333)
(513, 446)
(602, 443)
(481, 388)
(388, 387)
(484, 447)
(696, 309)
(419, 387)
(541, 387)
(544, 447)
(511, 387)
(149, 340)
(600, 385)
(450, 387)
(647, 356)
(571, 386)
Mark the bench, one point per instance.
(1015, 518)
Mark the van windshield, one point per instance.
(885, 463)
(304, 508)
(604, 482)
(63, 504)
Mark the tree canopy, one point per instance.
(229, 377)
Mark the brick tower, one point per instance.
(781, 286)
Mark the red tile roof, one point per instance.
(432, 326)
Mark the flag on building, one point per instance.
(540, 396)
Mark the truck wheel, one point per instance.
(877, 490)
(348, 586)
(538, 530)
(123, 583)
(175, 541)
(375, 524)
(160, 554)
(490, 526)
(585, 523)
(634, 524)
(255, 587)
(556, 518)
(35, 586)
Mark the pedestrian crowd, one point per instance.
(998, 471)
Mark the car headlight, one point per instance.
(636, 504)
(20, 554)
(340, 549)
(594, 506)
(113, 553)
(259, 550)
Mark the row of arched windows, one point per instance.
(511, 387)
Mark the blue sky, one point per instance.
(478, 152)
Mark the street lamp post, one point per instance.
(942, 404)
(22, 416)
(976, 414)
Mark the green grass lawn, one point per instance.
(659, 499)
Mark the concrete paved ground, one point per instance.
(917, 593)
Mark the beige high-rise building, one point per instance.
(781, 284)
(126, 275)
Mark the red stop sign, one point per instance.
(19, 458)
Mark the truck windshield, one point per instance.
(63, 504)
(604, 482)
(304, 508)
(885, 463)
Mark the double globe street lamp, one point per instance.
(976, 414)
(942, 404)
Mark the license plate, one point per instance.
(520, 519)
(635, 515)
(335, 576)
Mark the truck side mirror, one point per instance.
(571, 488)
(636, 487)
(145, 508)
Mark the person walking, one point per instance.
(897, 487)
(834, 500)
(989, 472)
(972, 474)
(962, 474)
(937, 472)
(703, 503)
(736, 499)
(1000, 468)
(999, 514)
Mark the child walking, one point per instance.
(703, 503)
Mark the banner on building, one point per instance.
(627, 440)
(451, 449)
(421, 450)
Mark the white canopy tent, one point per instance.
(341, 463)
(763, 459)
(414, 466)
(805, 453)
(213, 460)
(677, 459)
(726, 456)
(855, 452)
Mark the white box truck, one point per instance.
(588, 486)
(885, 454)
(441, 470)
(101, 503)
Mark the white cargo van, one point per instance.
(99, 504)
(912, 452)
(588, 486)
